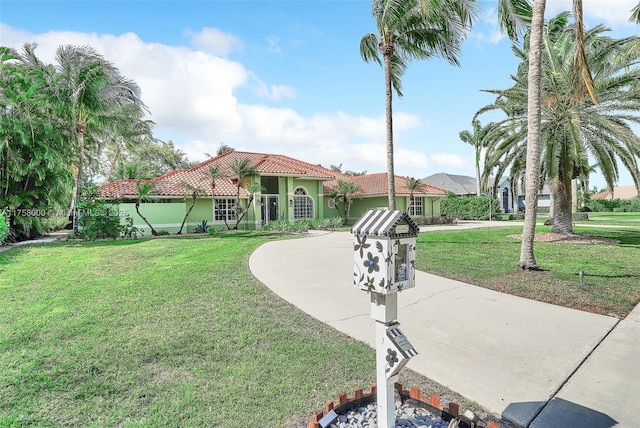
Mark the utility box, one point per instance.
(384, 244)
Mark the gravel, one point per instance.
(406, 416)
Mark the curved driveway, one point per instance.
(509, 354)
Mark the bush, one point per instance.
(470, 207)
(4, 228)
(428, 221)
(97, 219)
(163, 233)
(203, 227)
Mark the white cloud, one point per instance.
(214, 41)
(611, 11)
(192, 96)
(450, 160)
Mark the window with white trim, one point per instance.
(415, 209)
(225, 209)
(302, 205)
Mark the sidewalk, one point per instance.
(509, 354)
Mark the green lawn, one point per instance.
(617, 219)
(488, 257)
(166, 333)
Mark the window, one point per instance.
(302, 205)
(415, 209)
(225, 209)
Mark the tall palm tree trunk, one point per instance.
(534, 114)
(389, 120)
(562, 217)
(478, 190)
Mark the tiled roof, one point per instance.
(619, 192)
(376, 185)
(182, 181)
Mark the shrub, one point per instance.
(202, 227)
(470, 207)
(129, 230)
(97, 219)
(163, 233)
(4, 228)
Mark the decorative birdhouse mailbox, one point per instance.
(384, 245)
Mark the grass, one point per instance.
(488, 257)
(611, 218)
(165, 332)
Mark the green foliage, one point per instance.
(202, 227)
(613, 205)
(428, 221)
(4, 228)
(97, 218)
(34, 151)
(470, 207)
(303, 226)
(163, 233)
(129, 231)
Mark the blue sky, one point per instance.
(286, 76)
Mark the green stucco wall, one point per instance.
(162, 216)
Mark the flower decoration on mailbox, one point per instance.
(384, 245)
(399, 351)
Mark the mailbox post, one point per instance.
(384, 245)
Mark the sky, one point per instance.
(286, 77)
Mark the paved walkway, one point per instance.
(537, 364)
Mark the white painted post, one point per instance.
(384, 310)
(384, 387)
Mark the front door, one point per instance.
(270, 208)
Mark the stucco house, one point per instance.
(463, 185)
(619, 192)
(289, 189)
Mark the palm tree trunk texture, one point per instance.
(389, 118)
(562, 217)
(534, 114)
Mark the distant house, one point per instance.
(619, 192)
(290, 190)
(464, 185)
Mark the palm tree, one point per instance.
(574, 126)
(93, 99)
(635, 14)
(475, 138)
(344, 194)
(193, 192)
(527, 258)
(240, 170)
(213, 173)
(413, 29)
(413, 184)
(143, 190)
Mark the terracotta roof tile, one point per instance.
(180, 182)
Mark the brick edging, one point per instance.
(432, 403)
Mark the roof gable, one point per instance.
(390, 224)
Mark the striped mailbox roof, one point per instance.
(384, 223)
